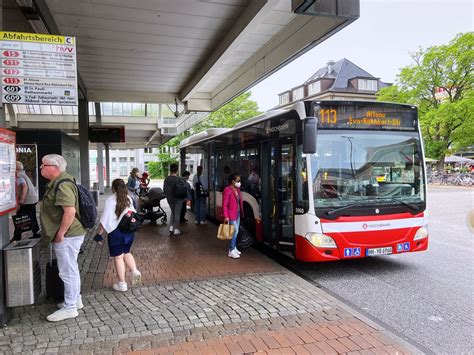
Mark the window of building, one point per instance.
(123, 166)
(92, 108)
(152, 110)
(138, 109)
(127, 109)
(67, 110)
(284, 98)
(298, 93)
(148, 150)
(367, 84)
(107, 108)
(117, 108)
(314, 88)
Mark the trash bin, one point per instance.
(95, 196)
(95, 186)
(22, 272)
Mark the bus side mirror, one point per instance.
(310, 127)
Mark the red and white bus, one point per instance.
(324, 180)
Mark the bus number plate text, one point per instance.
(379, 251)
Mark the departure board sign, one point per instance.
(106, 134)
(365, 115)
(38, 69)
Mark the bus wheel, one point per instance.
(249, 220)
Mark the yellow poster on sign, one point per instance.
(36, 37)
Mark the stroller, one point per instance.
(150, 205)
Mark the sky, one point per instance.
(380, 42)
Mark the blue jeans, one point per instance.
(233, 241)
(200, 209)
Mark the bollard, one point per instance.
(95, 196)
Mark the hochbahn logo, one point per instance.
(375, 225)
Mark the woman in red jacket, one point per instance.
(233, 208)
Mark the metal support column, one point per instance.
(107, 164)
(100, 158)
(83, 111)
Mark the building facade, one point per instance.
(341, 80)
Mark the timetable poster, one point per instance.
(7, 171)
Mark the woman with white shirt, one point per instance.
(116, 206)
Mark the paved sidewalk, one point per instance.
(196, 300)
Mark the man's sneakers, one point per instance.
(234, 254)
(120, 286)
(136, 277)
(237, 251)
(79, 304)
(62, 314)
(176, 232)
(171, 229)
(203, 222)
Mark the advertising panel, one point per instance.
(7, 171)
(28, 155)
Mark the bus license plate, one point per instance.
(379, 251)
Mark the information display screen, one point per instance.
(365, 115)
(107, 134)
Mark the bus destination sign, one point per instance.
(363, 116)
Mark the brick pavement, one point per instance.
(195, 300)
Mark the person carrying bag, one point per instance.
(233, 210)
(120, 220)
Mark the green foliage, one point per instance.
(440, 83)
(160, 169)
(238, 110)
(154, 169)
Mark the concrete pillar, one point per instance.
(83, 111)
(100, 158)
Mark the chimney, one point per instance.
(330, 65)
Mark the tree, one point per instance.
(160, 168)
(440, 83)
(238, 110)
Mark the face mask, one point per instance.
(237, 184)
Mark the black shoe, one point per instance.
(183, 220)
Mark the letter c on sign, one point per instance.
(69, 40)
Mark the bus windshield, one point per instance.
(359, 168)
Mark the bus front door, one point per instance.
(277, 194)
(285, 183)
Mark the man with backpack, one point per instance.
(175, 191)
(61, 226)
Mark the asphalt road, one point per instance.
(425, 297)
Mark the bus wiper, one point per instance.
(336, 210)
(409, 205)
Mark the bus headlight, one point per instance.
(421, 233)
(321, 240)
